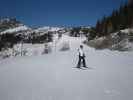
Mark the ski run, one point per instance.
(53, 76)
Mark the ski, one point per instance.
(80, 68)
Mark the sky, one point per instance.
(58, 12)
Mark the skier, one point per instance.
(81, 57)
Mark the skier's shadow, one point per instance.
(90, 68)
(83, 68)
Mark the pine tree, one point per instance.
(118, 20)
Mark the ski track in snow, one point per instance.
(53, 76)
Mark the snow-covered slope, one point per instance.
(46, 29)
(25, 30)
(12, 25)
(8, 23)
(16, 29)
(53, 76)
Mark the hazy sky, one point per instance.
(58, 12)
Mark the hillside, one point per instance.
(120, 41)
(53, 76)
(7, 23)
(13, 32)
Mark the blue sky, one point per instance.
(58, 12)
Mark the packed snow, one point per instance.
(53, 76)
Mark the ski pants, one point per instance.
(81, 61)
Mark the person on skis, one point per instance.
(81, 58)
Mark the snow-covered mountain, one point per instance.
(20, 28)
(13, 32)
(10, 25)
(23, 28)
(16, 27)
(114, 41)
(9, 21)
(47, 29)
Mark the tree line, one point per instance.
(9, 40)
(121, 18)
